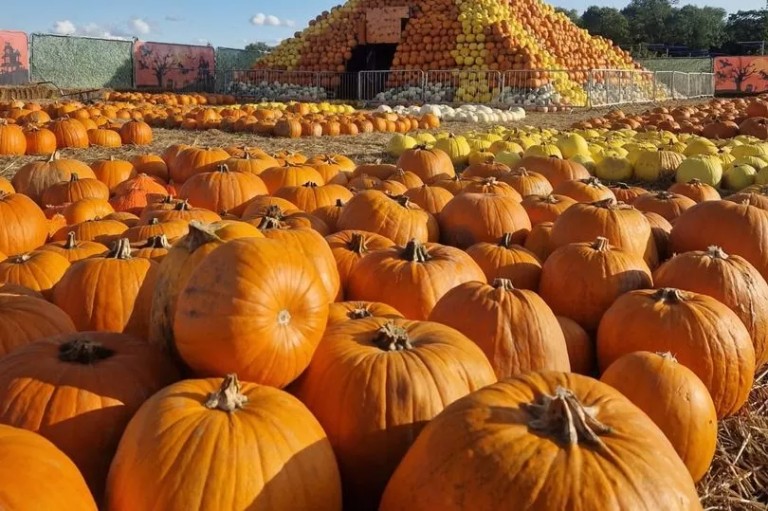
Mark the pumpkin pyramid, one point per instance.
(471, 36)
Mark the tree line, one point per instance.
(662, 22)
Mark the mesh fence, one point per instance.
(81, 62)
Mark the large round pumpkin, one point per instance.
(79, 391)
(584, 190)
(26, 319)
(675, 399)
(375, 383)
(40, 270)
(349, 247)
(255, 306)
(222, 191)
(581, 280)
(256, 448)
(428, 164)
(667, 204)
(520, 442)
(36, 475)
(430, 198)
(412, 278)
(23, 226)
(309, 196)
(515, 328)
(736, 228)
(702, 333)
(546, 208)
(110, 293)
(395, 218)
(624, 226)
(470, 218)
(176, 268)
(34, 178)
(555, 169)
(729, 279)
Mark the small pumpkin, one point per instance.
(471, 218)
(506, 260)
(39, 270)
(74, 250)
(222, 191)
(341, 312)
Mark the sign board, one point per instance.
(741, 75)
(173, 66)
(14, 58)
(384, 24)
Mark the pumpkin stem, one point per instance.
(222, 167)
(667, 356)
(20, 259)
(664, 195)
(272, 218)
(565, 418)
(609, 203)
(669, 295)
(694, 181)
(505, 284)
(415, 252)
(489, 181)
(600, 244)
(358, 243)
(310, 184)
(120, 249)
(71, 242)
(228, 398)
(622, 186)
(402, 200)
(83, 351)
(182, 205)
(716, 252)
(506, 240)
(392, 338)
(199, 235)
(522, 171)
(360, 312)
(74, 177)
(154, 221)
(339, 203)
(160, 241)
(550, 199)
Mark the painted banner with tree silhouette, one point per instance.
(175, 67)
(741, 75)
(14, 58)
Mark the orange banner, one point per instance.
(741, 75)
(14, 58)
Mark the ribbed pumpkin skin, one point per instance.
(392, 276)
(261, 302)
(480, 452)
(374, 211)
(82, 407)
(581, 280)
(507, 261)
(341, 312)
(581, 347)
(173, 273)
(107, 294)
(23, 226)
(703, 334)
(471, 218)
(39, 270)
(675, 399)
(729, 279)
(516, 330)
(36, 475)
(349, 247)
(738, 228)
(26, 319)
(270, 455)
(384, 398)
(624, 226)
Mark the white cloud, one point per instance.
(140, 26)
(271, 20)
(203, 41)
(127, 30)
(64, 27)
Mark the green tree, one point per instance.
(747, 26)
(697, 27)
(649, 20)
(607, 22)
(262, 48)
(572, 14)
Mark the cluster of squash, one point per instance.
(170, 98)
(273, 331)
(718, 119)
(612, 155)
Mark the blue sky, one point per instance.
(223, 23)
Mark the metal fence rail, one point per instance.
(553, 88)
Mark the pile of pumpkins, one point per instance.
(464, 113)
(33, 129)
(654, 157)
(222, 328)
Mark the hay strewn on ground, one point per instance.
(738, 479)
